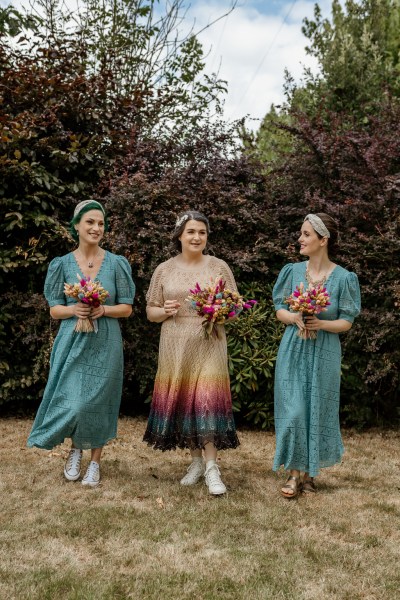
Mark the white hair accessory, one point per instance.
(318, 225)
(181, 220)
(84, 203)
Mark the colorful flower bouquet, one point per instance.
(310, 301)
(90, 293)
(217, 305)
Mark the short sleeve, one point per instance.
(283, 287)
(349, 298)
(54, 283)
(124, 284)
(227, 276)
(155, 295)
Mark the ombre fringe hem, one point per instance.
(194, 442)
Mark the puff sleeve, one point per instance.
(124, 284)
(155, 293)
(54, 283)
(349, 298)
(283, 287)
(227, 276)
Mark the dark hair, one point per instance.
(332, 227)
(76, 219)
(182, 219)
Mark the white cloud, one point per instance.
(254, 49)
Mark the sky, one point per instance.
(250, 48)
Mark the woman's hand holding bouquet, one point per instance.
(92, 295)
(309, 303)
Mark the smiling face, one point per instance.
(310, 243)
(193, 237)
(91, 227)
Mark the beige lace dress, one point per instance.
(191, 403)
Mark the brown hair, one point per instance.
(190, 215)
(332, 227)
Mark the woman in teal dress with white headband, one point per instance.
(83, 393)
(307, 375)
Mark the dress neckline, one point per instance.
(329, 275)
(89, 275)
(191, 269)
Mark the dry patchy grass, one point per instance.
(141, 535)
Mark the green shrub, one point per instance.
(253, 341)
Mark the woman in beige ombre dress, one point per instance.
(192, 405)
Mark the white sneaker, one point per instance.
(92, 475)
(72, 468)
(194, 473)
(213, 480)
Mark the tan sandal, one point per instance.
(291, 488)
(308, 486)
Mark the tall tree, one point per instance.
(141, 43)
(358, 53)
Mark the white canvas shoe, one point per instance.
(72, 468)
(213, 480)
(194, 473)
(92, 475)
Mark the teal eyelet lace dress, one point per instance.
(307, 377)
(83, 393)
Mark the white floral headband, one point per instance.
(181, 220)
(318, 225)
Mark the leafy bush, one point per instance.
(68, 131)
(334, 148)
(67, 114)
(353, 174)
(160, 178)
(253, 341)
(58, 132)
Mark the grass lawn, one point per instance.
(141, 535)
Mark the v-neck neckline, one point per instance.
(89, 275)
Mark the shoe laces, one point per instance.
(93, 470)
(74, 458)
(194, 466)
(213, 475)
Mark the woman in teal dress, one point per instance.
(83, 393)
(307, 375)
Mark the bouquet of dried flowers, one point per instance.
(308, 301)
(217, 304)
(90, 293)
